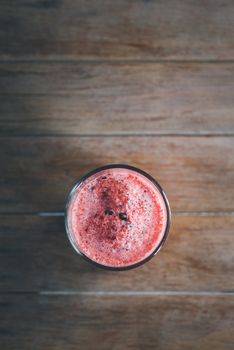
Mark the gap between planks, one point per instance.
(161, 134)
(122, 293)
(114, 61)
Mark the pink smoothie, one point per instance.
(117, 217)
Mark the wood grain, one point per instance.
(197, 173)
(162, 322)
(35, 255)
(172, 29)
(81, 98)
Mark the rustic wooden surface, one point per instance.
(123, 29)
(112, 322)
(193, 255)
(42, 170)
(82, 84)
(116, 98)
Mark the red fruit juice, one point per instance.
(117, 217)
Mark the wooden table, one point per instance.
(86, 83)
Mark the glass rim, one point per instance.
(165, 234)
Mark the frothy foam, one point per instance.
(117, 217)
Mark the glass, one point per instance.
(153, 181)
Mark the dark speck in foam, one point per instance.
(109, 211)
(123, 216)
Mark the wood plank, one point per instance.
(172, 29)
(162, 322)
(37, 173)
(81, 98)
(35, 255)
